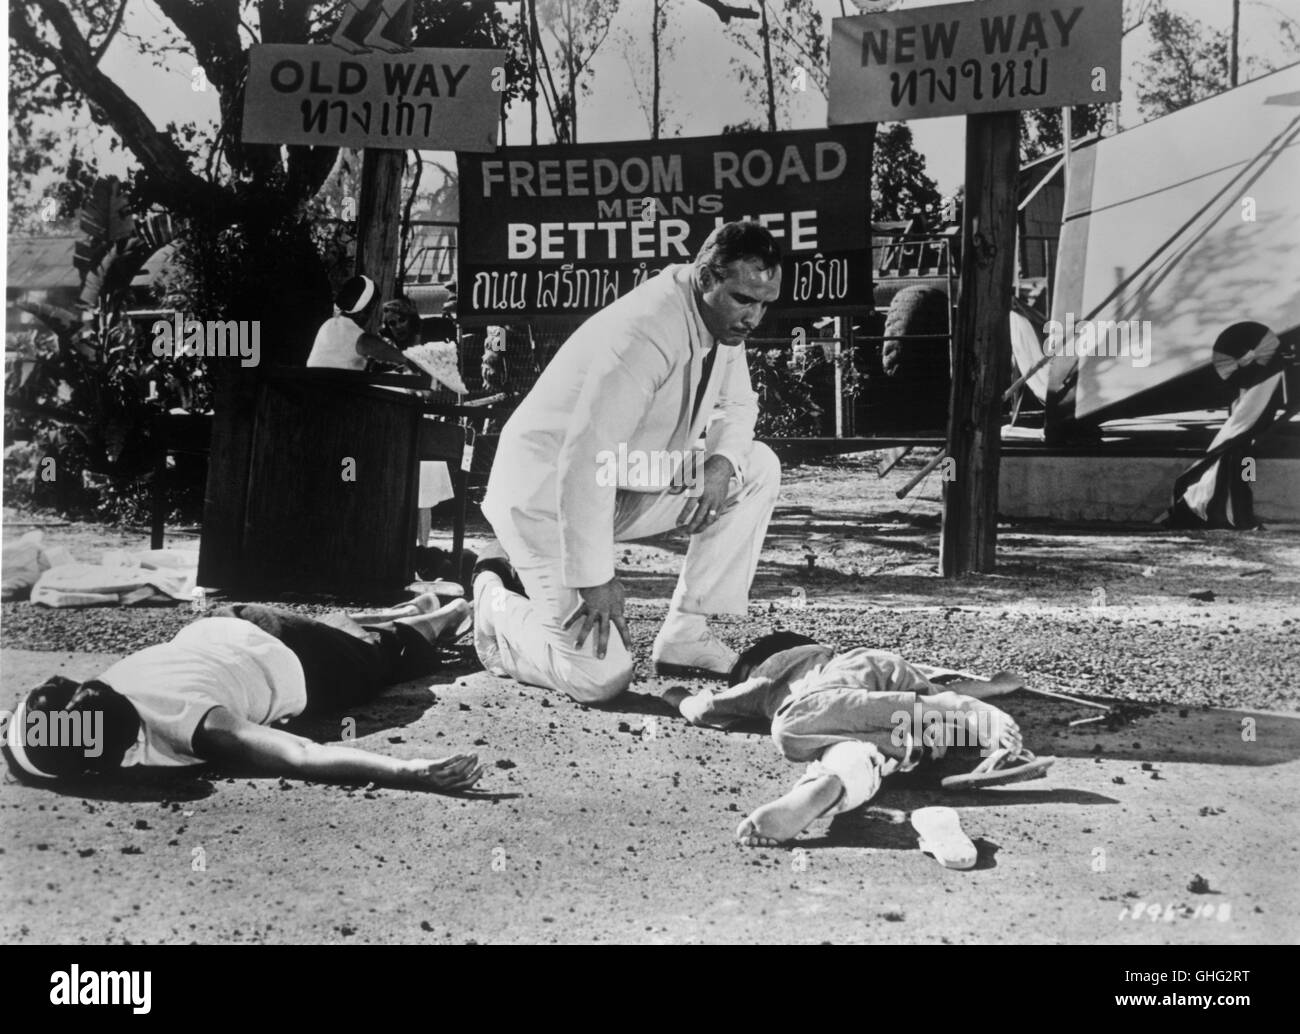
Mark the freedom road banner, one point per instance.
(565, 230)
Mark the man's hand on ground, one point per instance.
(458, 772)
(703, 509)
(601, 606)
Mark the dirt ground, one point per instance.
(617, 824)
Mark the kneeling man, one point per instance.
(660, 372)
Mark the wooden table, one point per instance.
(313, 477)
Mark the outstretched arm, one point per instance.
(372, 346)
(224, 737)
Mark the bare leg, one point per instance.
(786, 817)
(375, 38)
(439, 625)
(426, 603)
(999, 685)
(339, 39)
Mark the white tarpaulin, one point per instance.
(1188, 224)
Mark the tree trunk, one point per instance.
(406, 220)
(378, 246)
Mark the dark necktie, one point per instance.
(704, 380)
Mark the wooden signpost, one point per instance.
(985, 60)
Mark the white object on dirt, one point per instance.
(941, 835)
(91, 585)
(24, 561)
(21, 565)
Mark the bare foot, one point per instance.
(442, 624)
(348, 46)
(788, 816)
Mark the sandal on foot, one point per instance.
(940, 834)
(1002, 766)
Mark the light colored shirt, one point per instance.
(336, 345)
(213, 662)
(627, 378)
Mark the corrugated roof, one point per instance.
(40, 263)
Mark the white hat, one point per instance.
(16, 748)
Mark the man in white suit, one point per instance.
(648, 376)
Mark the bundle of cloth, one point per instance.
(122, 579)
(24, 561)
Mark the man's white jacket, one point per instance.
(628, 376)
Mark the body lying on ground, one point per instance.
(855, 717)
(213, 693)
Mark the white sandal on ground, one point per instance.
(940, 834)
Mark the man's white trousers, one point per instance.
(531, 645)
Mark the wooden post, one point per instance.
(378, 220)
(983, 346)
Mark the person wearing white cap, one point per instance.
(342, 342)
(653, 375)
(211, 693)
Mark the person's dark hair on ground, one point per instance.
(732, 241)
(763, 648)
(118, 729)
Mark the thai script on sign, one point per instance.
(997, 55)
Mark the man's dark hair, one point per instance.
(763, 648)
(121, 725)
(731, 241)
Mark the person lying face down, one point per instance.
(211, 693)
(851, 716)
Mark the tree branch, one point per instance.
(166, 163)
(212, 30)
(113, 26)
